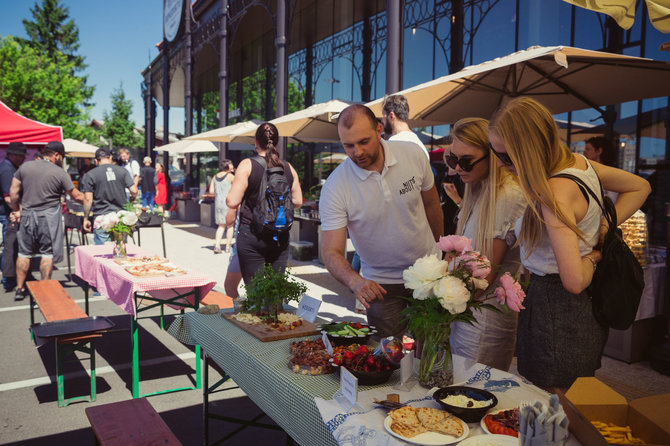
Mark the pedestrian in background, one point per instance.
(16, 154)
(220, 186)
(148, 183)
(161, 188)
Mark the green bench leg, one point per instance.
(62, 350)
(59, 374)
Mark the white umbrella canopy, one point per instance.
(312, 124)
(187, 146)
(562, 78)
(229, 133)
(79, 149)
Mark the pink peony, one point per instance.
(478, 264)
(510, 293)
(456, 243)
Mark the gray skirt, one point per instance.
(558, 338)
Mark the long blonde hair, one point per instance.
(473, 132)
(531, 138)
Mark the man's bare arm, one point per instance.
(431, 203)
(14, 194)
(76, 195)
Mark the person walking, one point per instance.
(558, 337)
(161, 188)
(132, 166)
(220, 186)
(35, 196)
(147, 181)
(16, 154)
(383, 195)
(254, 250)
(104, 189)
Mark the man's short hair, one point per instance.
(349, 114)
(102, 152)
(53, 147)
(397, 104)
(147, 160)
(124, 150)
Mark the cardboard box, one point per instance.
(649, 417)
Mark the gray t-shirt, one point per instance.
(42, 183)
(108, 184)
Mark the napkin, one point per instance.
(543, 425)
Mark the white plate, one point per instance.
(490, 440)
(429, 438)
(483, 424)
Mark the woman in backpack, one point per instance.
(255, 250)
(558, 338)
(492, 202)
(220, 186)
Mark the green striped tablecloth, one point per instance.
(261, 370)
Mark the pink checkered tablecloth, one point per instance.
(94, 264)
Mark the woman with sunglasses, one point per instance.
(491, 204)
(558, 338)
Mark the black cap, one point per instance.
(56, 146)
(16, 148)
(102, 152)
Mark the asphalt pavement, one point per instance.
(29, 414)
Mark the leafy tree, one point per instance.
(118, 127)
(43, 89)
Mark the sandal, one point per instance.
(217, 251)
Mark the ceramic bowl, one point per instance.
(467, 414)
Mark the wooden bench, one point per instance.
(129, 423)
(55, 304)
(216, 298)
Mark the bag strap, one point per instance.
(607, 209)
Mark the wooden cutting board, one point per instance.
(264, 333)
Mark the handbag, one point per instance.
(618, 280)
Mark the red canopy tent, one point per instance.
(14, 127)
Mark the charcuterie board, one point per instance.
(265, 333)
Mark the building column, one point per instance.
(166, 102)
(366, 84)
(188, 99)
(149, 119)
(281, 43)
(223, 75)
(394, 44)
(457, 29)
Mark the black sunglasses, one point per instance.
(466, 164)
(502, 156)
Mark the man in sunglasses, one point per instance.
(395, 114)
(384, 196)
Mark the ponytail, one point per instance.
(267, 137)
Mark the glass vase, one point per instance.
(119, 245)
(436, 367)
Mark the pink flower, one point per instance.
(456, 243)
(478, 264)
(510, 293)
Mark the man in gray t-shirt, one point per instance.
(35, 196)
(105, 191)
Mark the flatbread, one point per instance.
(449, 425)
(405, 415)
(429, 416)
(407, 431)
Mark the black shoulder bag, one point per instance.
(618, 281)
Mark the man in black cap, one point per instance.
(16, 154)
(35, 195)
(105, 191)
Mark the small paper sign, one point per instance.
(326, 343)
(348, 385)
(308, 308)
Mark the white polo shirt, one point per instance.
(384, 213)
(410, 136)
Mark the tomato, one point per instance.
(496, 428)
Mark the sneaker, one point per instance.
(21, 293)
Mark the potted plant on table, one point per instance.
(118, 225)
(444, 291)
(270, 289)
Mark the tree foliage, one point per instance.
(43, 88)
(118, 127)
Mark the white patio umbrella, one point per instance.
(562, 78)
(79, 149)
(623, 11)
(229, 133)
(312, 124)
(187, 146)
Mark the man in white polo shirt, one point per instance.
(395, 114)
(384, 195)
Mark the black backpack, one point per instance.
(618, 281)
(273, 213)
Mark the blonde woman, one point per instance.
(220, 186)
(558, 338)
(491, 204)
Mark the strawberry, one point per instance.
(337, 359)
(363, 349)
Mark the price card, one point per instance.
(348, 385)
(308, 308)
(326, 343)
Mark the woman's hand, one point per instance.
(452, 192)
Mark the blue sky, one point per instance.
(118, 40)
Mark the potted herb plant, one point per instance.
(270, 289)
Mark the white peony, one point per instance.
(452, 294)
(127, 218)
(421, 276)
(480, 284)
